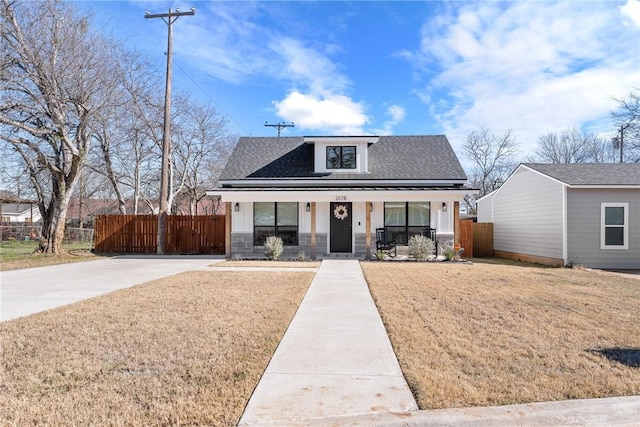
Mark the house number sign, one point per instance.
(341, 198)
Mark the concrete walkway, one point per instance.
(31, 290)
(335, 358)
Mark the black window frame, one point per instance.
(401, 233)
(341, 156)
(282, 231)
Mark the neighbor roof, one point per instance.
(17, 208)
(591, 174)
(391, 158)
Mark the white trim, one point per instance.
(605, 187)
(341, 182)
(340, 195)
(565, 226)
(625, 227)
(341, 139)
(544, 174)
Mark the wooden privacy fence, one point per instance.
(138, 234)
(476, 238)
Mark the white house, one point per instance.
(326, 195)
(20, 212)
(567, 214)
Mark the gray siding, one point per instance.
(583, 241)
(527, 215)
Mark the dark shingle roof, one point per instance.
(596, 174)
(391, 158)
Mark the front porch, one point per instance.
(315, 231)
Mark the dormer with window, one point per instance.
(341, 154)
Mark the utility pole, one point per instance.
(618, 142)
(279, 126)
(169, 19)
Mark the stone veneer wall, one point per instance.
(242, 246)
(361, 246)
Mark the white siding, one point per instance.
(584, 210)
(484, 208)
(527, 215)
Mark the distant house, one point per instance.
(17, 209)
(567, 214)
(326, 195)
(20, 212)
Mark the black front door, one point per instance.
(340, 227)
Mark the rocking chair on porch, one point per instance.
(383, 243)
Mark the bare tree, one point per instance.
(56, 77)
(493, 157)
(626, 118)
(126, 131)
(570, 146)
(199, 140)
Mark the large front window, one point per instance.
(275, 219)
(614, 226)
(341, 157)
(405, 219)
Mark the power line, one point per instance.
(182, 70)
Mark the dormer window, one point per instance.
(341, 157)
(341, 154)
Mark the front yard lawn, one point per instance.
(483, 334)
(17, 254)
(184, 350)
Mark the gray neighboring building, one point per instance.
(567, 214)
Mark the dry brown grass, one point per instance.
(273, 264)
(185, 350)
(477, 335)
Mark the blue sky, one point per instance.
(392, 67)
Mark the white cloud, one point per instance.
(396, 115)
(632, 10)
(531, 67)
(396, 112)
(335, 114)
(319, 101)
(317, 95)
(308, 66)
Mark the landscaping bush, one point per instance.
(273, 247)
(421, 248)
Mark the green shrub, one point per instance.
(449, 251)
(421, 247)
(273, 247)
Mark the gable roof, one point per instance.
(18, 208)
(591, 174)
(427, 157)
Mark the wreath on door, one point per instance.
(341, 212)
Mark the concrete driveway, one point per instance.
(29, 291)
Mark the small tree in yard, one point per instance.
(273, 247)
(421, 248)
